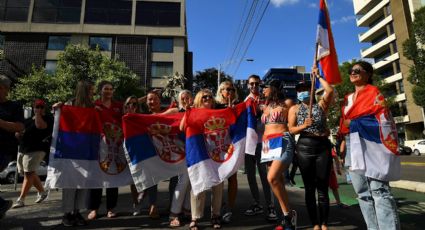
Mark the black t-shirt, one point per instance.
(35, 139)
(12, 112)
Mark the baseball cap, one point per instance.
(39, 102)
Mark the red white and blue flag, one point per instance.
(373, 136)
(326, 53)
(86, 151)
(155, 148)
(216, 142)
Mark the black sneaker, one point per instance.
(254, 209)
(289, 222)
(271, 213)
(79, 219)
(68, 220)
(6, 206)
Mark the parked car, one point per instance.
(419, 148)
(404, 150)
(8, 174)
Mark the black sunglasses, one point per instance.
(356, 71)
(229, 89)
(254, 83)
(206, 97)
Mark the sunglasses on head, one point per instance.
(254, 83)
(356, 71)
(206, 97)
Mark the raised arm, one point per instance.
(292, 121)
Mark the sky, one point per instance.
(285, 37)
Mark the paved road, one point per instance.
(413, 168)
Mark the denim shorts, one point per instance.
(288, 152)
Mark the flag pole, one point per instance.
(313, 82)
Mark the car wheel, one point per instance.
(416, 152)
(10, 178)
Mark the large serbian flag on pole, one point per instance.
(326, 53)
(373, 136)
(86, 152)
(154, 148)
(216, 142)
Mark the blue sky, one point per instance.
(284, 38)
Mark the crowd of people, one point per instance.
(300, 126)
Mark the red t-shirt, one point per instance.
(110, 114)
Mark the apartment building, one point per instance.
(385, 24)
(150, 36)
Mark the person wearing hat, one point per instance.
(313, 147)
(11, 121)
(34, 144)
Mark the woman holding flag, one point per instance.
(309, 120)
(278, 148)
(371, 149)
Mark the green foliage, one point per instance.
(414, 50)
(208, 79)
(175, 83)
(76, 63)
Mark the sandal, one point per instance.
(216, 223)
(175, 222)
(111, 214)
(153, 213)
(193, 225)
(92, 215)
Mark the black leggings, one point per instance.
(95, 197)
(314, 159)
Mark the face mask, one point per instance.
(303, 96)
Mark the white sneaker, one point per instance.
(18, 204)
(137, 209)
(41, 197)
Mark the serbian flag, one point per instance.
(272, 147)
(86, 152)
(373, 136)
(326, 53)
(216, 142)
(154, 148)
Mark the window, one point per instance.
(158, 13)
(104, 43)
(161, 69)
(401, 86)
(57, 11)
(113, 12)
(51, 66)
(162, 45)
(1, 46)
(14, 10)
(58, 42)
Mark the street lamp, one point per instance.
(223, 65)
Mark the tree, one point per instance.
(414, 50)
(76, 63)
(175, 83)
(208, 79)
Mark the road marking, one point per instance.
(413, 163)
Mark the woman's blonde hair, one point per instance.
(82, 94)
(179, 98)
(125, 106)
(197, 102)
(219, 96)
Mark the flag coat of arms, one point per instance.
(326, 52)
(86, 152)
(272, 147)
(216, 141)
(373, 137)
(155, 148)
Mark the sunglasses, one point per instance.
(356, 71)
(254, 83)
(132, 103)
(39, 107)
(229, 89)
(206, 97)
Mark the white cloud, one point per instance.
(279, 3)
(344, 19)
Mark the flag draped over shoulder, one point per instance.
(216, 142)
(373, 137)
(86, 152)
(326, 53)
(154, 148)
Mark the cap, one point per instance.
(270, 82)
(303, 84)
(39, 102)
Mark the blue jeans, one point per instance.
(376, 202)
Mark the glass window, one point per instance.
(104, 43)
(401, 86)
(58, 42)
(161, 69)
(16, 10)
(162, 45)
(57, 11)
(114, 12)
(50, 66)
(158, 13)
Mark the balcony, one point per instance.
(372, 15)
(386, 61)
(393, 78)
(400, 97)
(378, 47)
(402, 119)
(375, 31)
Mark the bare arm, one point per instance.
(39, 122)
(183, 123)
(12, 127)
(170, 111)
(327, 98)
(292, 121)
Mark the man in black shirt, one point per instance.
(11, 121)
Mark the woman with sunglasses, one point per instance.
(314, 148)
(275, 119)
(227, 96)
(204, 99)
(35, 143)
(376, 202)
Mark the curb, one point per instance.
(409, 185)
